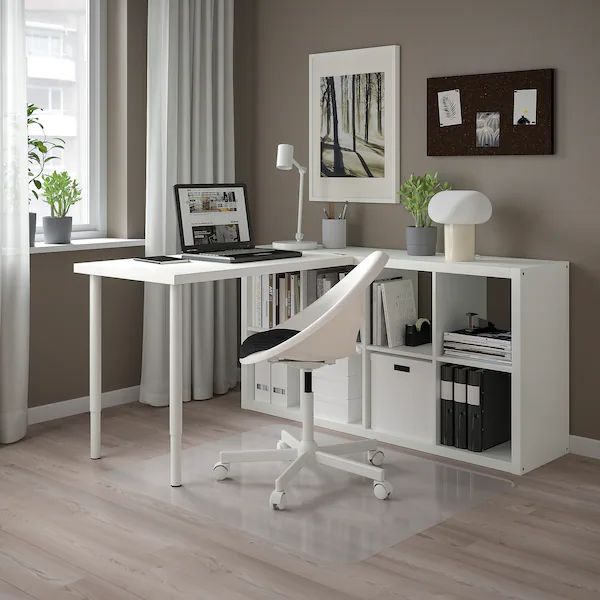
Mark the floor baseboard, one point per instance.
(48, 412)
(77, 406)
(584, 446)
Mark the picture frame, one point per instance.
(354, 125)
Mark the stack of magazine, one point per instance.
(492, 345)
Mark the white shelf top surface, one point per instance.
(482, 265)
(476, 362)
(200, 271)
(424, 351)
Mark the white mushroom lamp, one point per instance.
(460, 211)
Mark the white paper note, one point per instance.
(525, 107)
(449, 108)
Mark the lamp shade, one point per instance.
(460, 207)
(285, 157)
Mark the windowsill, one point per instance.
(86, 244)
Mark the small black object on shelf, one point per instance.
(418, 334)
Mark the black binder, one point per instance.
(460, 406)
(447, 405)
(488, 409)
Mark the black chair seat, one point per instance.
(265, 340)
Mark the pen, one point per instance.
(343, 216)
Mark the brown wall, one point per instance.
(544, 207)
(244, 91)
(59, 335)
(127, 24)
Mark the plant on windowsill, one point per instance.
(415, 194)
(40, 151)
(60, 192)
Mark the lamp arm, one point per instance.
(302, 171)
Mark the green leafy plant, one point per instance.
(40, 149)
(415, 194)
(60, 192)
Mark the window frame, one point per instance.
(96, 125)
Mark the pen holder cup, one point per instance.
(334, 233)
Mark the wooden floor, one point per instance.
(66, 533)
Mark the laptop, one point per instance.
(214, 224)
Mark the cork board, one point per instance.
(491, 114)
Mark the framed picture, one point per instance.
(355, 125)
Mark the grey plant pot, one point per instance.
(32, 223)
(57, 230)
(421, 241)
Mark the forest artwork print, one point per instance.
(352, 125)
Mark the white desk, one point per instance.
(174, 276)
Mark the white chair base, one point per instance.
(300, 453)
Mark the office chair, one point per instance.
(319, 335)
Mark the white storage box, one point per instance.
(262, 382)
(343, 367)
(331, 409)
(337, 390)
(402, 397)
(340, 388)
(285, 385)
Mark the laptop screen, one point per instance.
(212, 215)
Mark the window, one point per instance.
(65, 46)
(49, 98)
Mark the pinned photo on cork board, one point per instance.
(510, 113)
(487, 133)
(449, 108)
(525, 105)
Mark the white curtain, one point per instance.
(189, 140)
(14, 228)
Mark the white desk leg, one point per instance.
(95, 365)
(175, 379)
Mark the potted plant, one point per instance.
(60, 192)
(39, 152)
(415, 194)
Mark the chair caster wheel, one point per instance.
(376, 457)
(220, 471)
(278, 500)
(382, 489)
(281, 445)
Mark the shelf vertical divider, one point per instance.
(365, 338)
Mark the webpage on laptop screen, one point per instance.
(213, 215)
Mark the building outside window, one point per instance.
(64, 46)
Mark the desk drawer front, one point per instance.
(402, 399)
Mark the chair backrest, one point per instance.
(329, 326)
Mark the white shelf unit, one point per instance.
(539, 309)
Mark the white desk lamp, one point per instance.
(460, 211)
(285, 162)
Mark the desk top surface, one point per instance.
(197, 271)
(202, 271)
